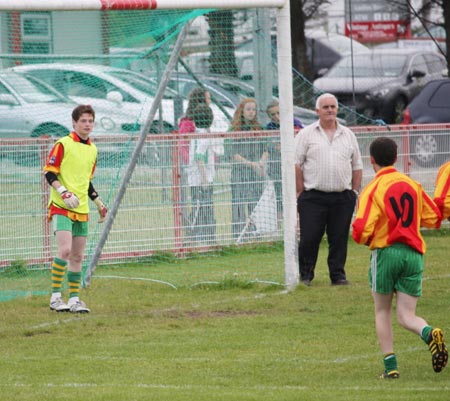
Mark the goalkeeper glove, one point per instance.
(102, 209)
(69, 198)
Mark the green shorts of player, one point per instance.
(396, 268)
(63, 223)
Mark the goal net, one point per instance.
(137, 63)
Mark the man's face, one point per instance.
(327, 110)
(274, 114)
(84, 125)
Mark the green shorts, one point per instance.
(396, 268)
(63, 223)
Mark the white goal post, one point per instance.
(79, 5)
(284, 85)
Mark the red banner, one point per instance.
(378, 31)
(128, 4)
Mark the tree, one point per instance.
(424, 16)
(301, 11)
(221, 43)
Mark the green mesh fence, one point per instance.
(115, 63)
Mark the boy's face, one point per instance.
(84, 126)
(274, 114)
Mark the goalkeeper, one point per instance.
(69, 170)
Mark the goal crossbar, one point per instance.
(91, 5)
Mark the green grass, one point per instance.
(235, 340)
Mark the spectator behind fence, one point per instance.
(391, 210)
(328, 168)
(248, 158)
(187, 124)
(274, 150)
(201, 172)
(69, 170)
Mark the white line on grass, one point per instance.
(402, 390)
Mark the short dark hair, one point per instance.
(203, 116)
(81, 109)
(384, 151)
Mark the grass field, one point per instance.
(233, 341)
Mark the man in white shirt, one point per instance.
(328, 168)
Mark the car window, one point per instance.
(435, 64)
(83, 84)
(4, 90)
(441, 97)
(418, 63)
(51, 77)
(30, 91)
(370, 65)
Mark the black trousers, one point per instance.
(321, 212)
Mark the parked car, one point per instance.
(322, 49)
(381, 83)
(431, 105)
(29, 107)
(118, 89)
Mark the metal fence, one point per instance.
(157, 213)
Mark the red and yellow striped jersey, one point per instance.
(442, 191)
(391, 209)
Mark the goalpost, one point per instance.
(284, 88)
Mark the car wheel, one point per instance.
(53, 130)
(426, 149)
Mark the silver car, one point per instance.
(29, 107)
(119, 90)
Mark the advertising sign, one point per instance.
(370, 21)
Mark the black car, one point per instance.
(431, 105)
(380, 84)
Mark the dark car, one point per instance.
(380, 84)
(431, 105)
(322, 49)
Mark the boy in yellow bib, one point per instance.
(69, 170)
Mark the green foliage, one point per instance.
(229, 340)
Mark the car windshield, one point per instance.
(141, 83)
(386, 65)
(33, 91)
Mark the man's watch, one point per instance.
(356, 192)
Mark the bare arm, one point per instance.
(356, 180)
(299, 183)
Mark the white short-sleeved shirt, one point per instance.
(201, 149)
(327, 165)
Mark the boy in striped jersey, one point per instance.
(391, 210)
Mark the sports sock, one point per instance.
(390, 362)
(74, 279)
(426, 333)
(58, 271)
